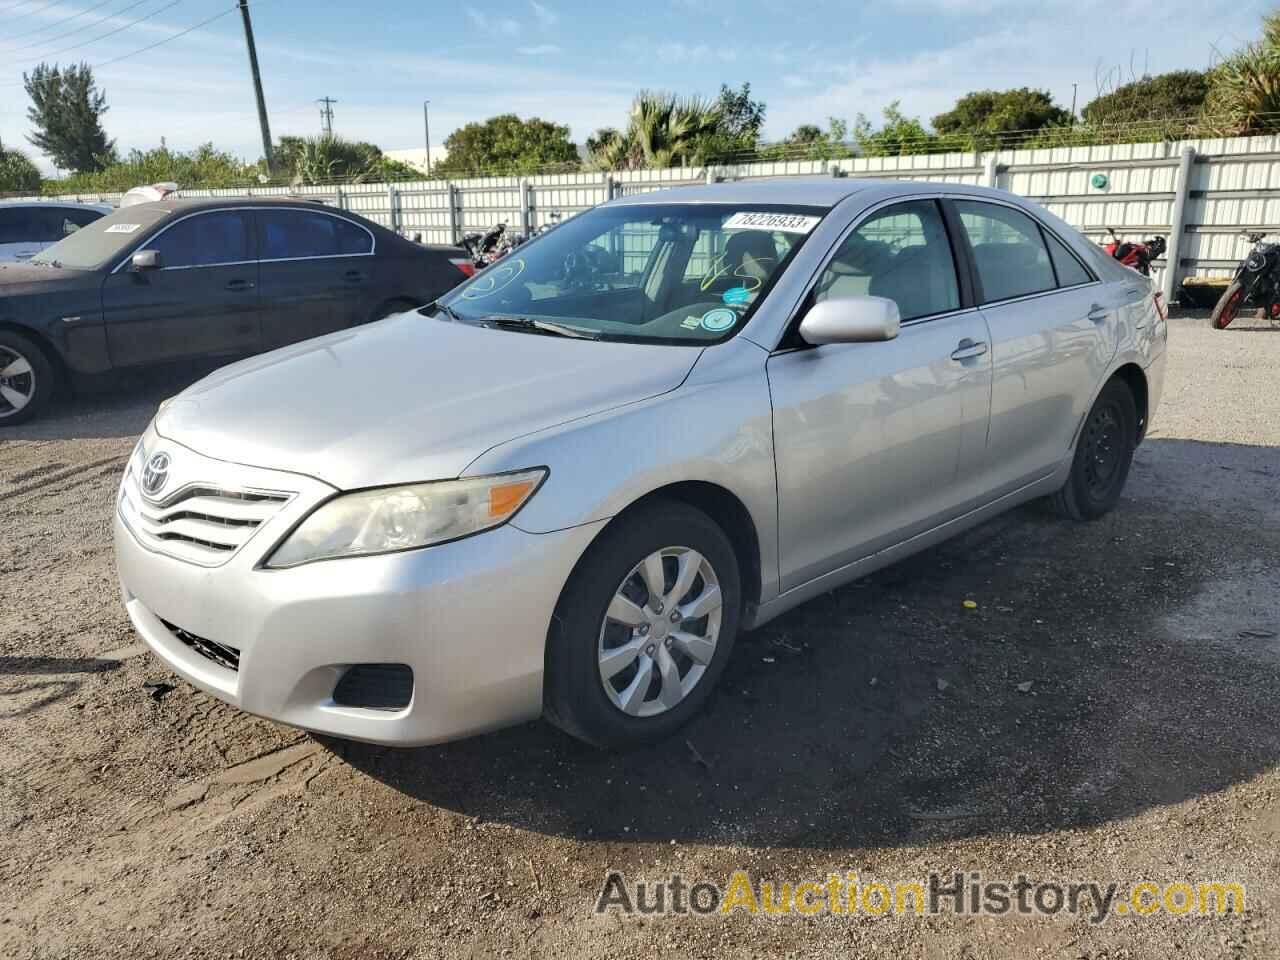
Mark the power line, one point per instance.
(47, 26)
(29, 13)
(80, 29)
(109, 33)
(150, 46)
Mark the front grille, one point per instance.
(199, 524)
(219, 653)
(375, 686)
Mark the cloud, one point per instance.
(545, 15)
(539, 50)
(504, 25)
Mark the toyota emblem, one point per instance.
(156, 474)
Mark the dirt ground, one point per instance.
(884, 728)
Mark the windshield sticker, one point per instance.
(736, 295)
(718, 320)
(782, 222)
(497, 277)
(690, 323)
(123, 228)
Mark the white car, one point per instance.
(28, 226)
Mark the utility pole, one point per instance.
(257, 86)
(1073, 103)
(426, 132)
(326, 115)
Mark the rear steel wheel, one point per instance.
(1104, 452)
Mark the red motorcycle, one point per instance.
(1137, 256)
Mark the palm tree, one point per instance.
(671, 130)
(1244, 91)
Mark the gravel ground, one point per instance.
(1107, 712)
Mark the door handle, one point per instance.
(1098, 313)
(967, 349)
(240, 285)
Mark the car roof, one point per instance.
(60, 204)
(805, 191)
(192, 204)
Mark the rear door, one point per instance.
(202, 301)
(1053, 333)
(317, 273)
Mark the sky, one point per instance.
(575, 62)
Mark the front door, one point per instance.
(317, 274)
(876, 442)
(202, 300)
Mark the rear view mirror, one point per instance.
(851, 320)
(145, 260)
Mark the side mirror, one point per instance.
(145, 260)
(851, 320)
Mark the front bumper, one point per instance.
(470, 619)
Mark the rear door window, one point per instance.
(301, 234)
(1008, 251)
(1071, 272)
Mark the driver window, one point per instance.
(900, 253)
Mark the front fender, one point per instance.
(716, 428)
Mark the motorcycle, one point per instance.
(493, 244)
(1137, 256)
(1256, 280)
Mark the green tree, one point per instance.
(810, 142)
(17, 173)
(1244, 89)
(738, 126)
(1173, 97)
(309, 160)
(507, 144)
(899, 135)
(672, 131)
(610, 149)
(206, 166)
(982, 119)
(66, 110)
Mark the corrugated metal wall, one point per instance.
(1234, 185)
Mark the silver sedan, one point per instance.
(567, 486)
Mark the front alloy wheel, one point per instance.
(26, 378)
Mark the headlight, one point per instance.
(390, 519)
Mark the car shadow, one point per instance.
(1106, 668)
(121, 410)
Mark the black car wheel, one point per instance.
(1104, 453)
(26, 378)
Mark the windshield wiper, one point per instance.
(542, 326)
(446, 310)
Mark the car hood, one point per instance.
(21, 278)
(409, 398)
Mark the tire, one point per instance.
(1104, 453)
(1228, 306)
(27, 378)
(575, 697)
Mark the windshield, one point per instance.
(102, 241)
(679, 273)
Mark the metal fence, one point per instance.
(1199, 193)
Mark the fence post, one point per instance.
(608, 185)
(393, 202)
(526, 208)
(990, 171)
(1178, 224)
(341, 199)
(451, 198)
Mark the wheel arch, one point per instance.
(1136, 379)
(729, 513)
(52, 353)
